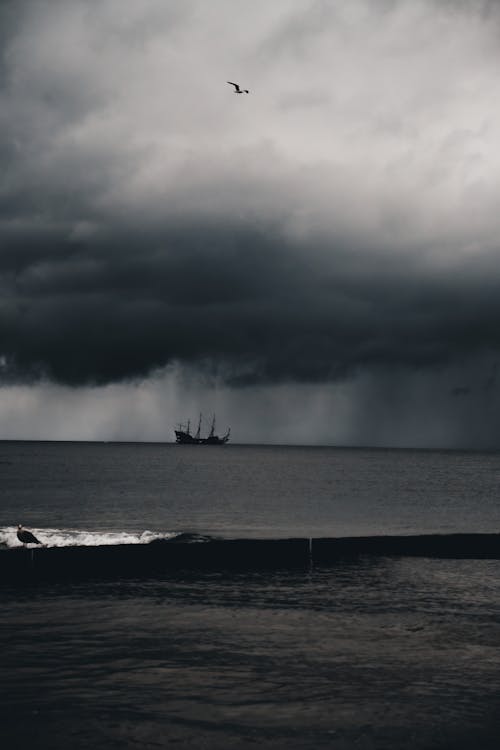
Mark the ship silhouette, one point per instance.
(184, 435)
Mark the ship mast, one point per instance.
(198, 431)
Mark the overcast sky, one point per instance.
(317, 261)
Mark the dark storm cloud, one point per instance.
(244, 302)
(342, 218)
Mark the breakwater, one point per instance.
(158, 557)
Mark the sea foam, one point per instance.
(82, 538)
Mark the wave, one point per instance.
(156, 553)
(82, 538)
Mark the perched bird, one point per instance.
(237, 89)
(25, 536)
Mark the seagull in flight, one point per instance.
(237, 89)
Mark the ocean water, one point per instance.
(368, 652)
(244, 491)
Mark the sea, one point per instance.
(363, 652)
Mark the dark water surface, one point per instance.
(261, 491)
(385, 654)
(382, 653)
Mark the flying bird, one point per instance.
(237, 89)
(25, 536)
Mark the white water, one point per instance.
(80, 537)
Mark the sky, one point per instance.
(315, 262)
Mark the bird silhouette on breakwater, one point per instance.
(26, 537)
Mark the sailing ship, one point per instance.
(184, 435)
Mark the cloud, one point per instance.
(390, 407)
(341, 220)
